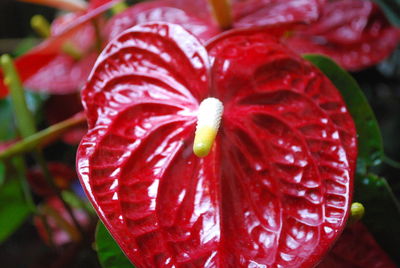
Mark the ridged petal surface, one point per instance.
(275, 189)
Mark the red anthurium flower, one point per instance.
(355, 33)
(276, 185)
(249, 13)
(356, 248)
(48, 67)
(196, 17)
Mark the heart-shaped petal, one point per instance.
(275, 188)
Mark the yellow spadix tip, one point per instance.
(357, 210)
(208, 121)
(204, 140)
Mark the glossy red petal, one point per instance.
(274, 190)
(285, 130)
(164, 11)
(62, 75)
(355, 33)
(249, 13)
(84, 39)
(140, 101)
(357, 248)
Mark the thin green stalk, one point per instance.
(23, 116)
(47, 175)
(26, 125)
(119, 7)
(21, 169)
(41, 26)
(394, 164)
(42, 137)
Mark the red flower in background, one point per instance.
(63, 177)
(196, 17)
(356, 248)
(355, 33)
(63, 73)
(276, 186)
(248, 13)
(48, 68)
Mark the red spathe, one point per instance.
(276, 187)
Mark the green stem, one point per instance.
(393, 163)
(43, 137)
(41, 26)
(119, 7)
(27, 128)
(71, 50)
(20, 167)
(48, 177)
(21, 170)
(23, 116)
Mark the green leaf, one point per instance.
(382, 211)
(25, 45)
(370, 146)
(109, 253)
(13, 208)
(391, 8)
